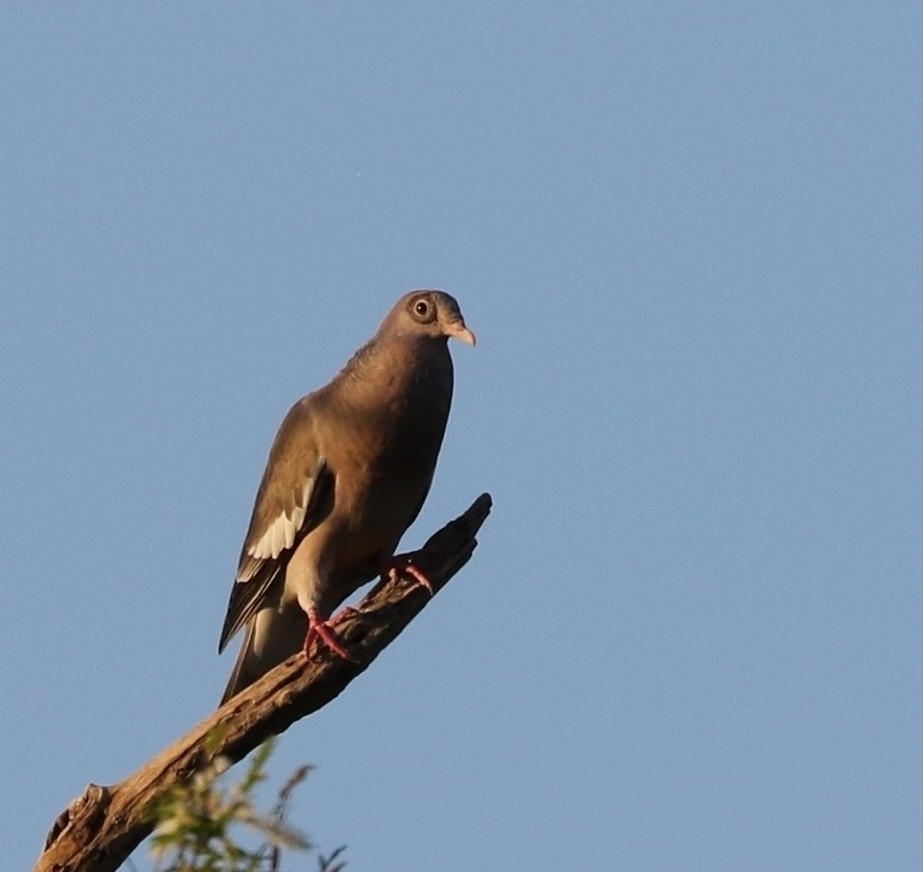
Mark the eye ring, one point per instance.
(422, 310)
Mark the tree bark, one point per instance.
(98, 830)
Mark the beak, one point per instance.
(460, 331)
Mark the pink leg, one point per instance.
(402, 564)
(342, 615)
(320, 629)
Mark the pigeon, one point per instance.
(347, 474)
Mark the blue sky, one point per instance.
(688, 238)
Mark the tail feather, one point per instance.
(273, 635)
(241, 676)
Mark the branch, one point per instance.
(99, 829)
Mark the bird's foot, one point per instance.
(320, 629)
(342, 615)
(402, 564)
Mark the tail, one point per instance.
(273, 635)
(240, 677)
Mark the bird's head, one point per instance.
(429, 313)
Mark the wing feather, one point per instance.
(295, 495)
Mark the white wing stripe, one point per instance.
(280, 534)
(280, 531)
(297, 521)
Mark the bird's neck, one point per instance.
(385, 362)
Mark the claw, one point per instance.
(402, 564)
(342, 615)
(322, 630)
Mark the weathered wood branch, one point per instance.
(99, 829)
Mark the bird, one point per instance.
(347, 474)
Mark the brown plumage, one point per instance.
(347, 474)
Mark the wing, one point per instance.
(295, 495)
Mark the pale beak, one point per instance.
(460, 331)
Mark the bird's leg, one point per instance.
(318, 628)
(402, 564)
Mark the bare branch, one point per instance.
(99, 829)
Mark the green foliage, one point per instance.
(208, 826)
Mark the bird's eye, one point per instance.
(422, 310)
